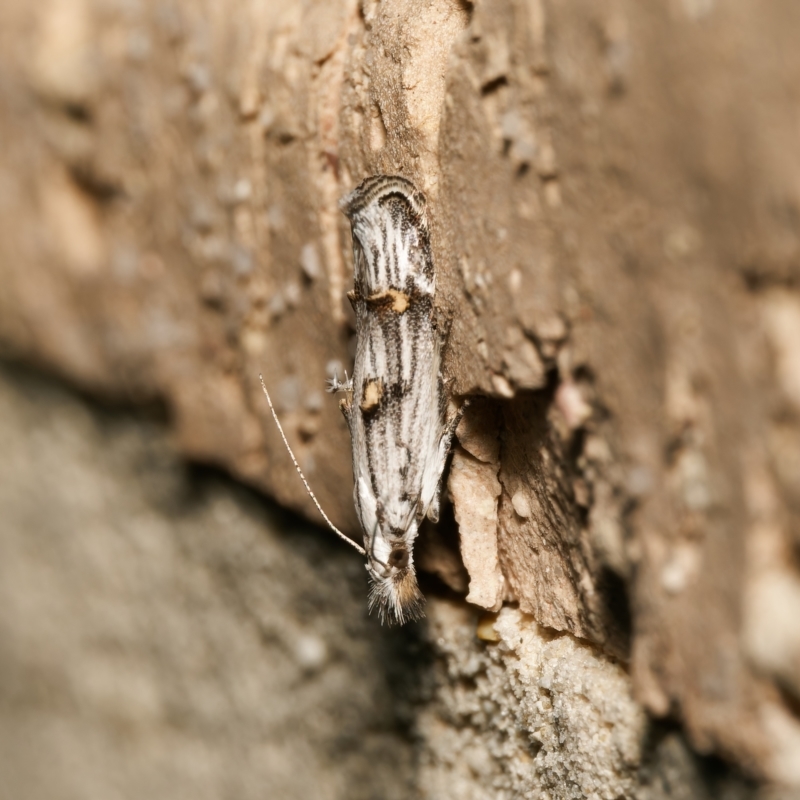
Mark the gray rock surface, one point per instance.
(167, 634)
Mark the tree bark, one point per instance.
(614, 192)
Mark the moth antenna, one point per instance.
(349, 541)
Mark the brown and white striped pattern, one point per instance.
(396, 404)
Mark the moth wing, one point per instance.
(444, 445)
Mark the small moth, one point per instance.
(395, 402)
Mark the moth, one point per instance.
(395, 403)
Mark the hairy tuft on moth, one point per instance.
(395, 403)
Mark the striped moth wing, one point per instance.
(395, 404)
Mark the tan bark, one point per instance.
(615, 195)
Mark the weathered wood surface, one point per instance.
(615, 196)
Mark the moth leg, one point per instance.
(450, 431)
(445, 444)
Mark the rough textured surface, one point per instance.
(166, 635)
(474, 491)
(530, 715)
(614, 199)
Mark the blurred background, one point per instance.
(614, 592)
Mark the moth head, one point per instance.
(394, 591)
